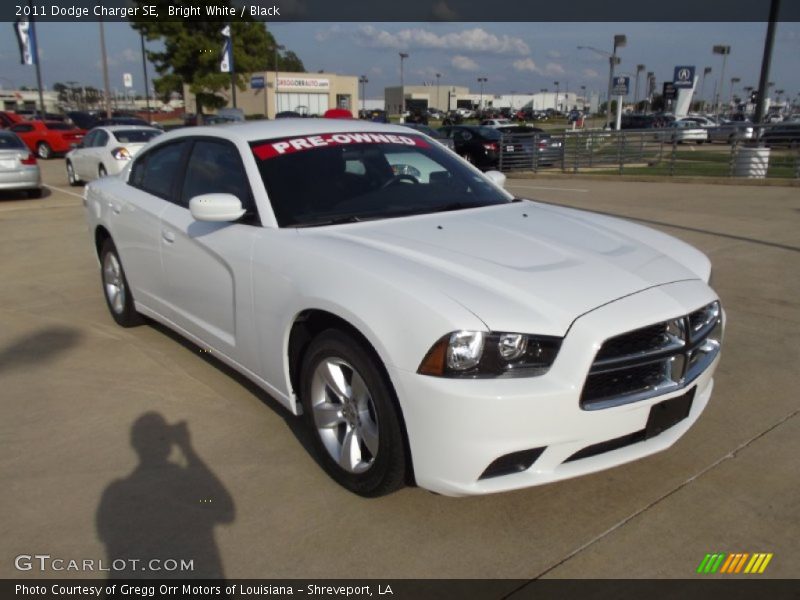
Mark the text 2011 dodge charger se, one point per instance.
(427, 325)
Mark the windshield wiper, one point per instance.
(333, 221)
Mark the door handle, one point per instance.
(168, 235)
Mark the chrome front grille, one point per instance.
(653, 360)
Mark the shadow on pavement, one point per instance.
(41, 347)
(163, 511)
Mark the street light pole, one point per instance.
(724, 51)
(277, 47)
(620, 41)
(734, 80)
(146, 84)
(706, 71)
(481, 80)
(438, 106)
(639, 69)
(555, 102)
(403, 56)
(363, 81)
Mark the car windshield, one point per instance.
(9, 141)
(135, 136)
(346, 177)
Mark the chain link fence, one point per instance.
(769, 151)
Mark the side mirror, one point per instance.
(496, 177)
(216, 208)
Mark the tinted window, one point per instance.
(88, 141)
(8, 141)
(318, 179)
(156, 171)
(101, 138)
(215, 167)
(58, 126)
(135, 136)
(22, 128)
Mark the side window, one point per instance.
(156, 171)
(88, 141)
(100, 139)
(22, 128)
(216, 167)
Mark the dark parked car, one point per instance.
(479, 145)
(82, 119)
(548, 147)
(431, 132)
(785, 134)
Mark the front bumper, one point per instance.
(457, 428)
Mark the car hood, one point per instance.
(522, 266)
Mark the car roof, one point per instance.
(251, 131)
(114, 128)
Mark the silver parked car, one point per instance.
(730, 131)
(106, 151)
(19, 170)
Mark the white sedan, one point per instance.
(684, 130)
(426, 325)
(106, 151)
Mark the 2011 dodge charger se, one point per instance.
(427, 325)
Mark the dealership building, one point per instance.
(268, 93)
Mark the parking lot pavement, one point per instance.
(86, 404)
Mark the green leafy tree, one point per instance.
(192, 50)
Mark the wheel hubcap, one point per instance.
(344, 415)
(113, 283)
(70, 173)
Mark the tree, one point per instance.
(167, 85)
(192, 50)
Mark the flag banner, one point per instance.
(26, 38)
(226, 64)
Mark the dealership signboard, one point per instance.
(305, 83)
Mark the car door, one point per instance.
(207, 265)
(79, 158)
(96, 153)
(151, 186)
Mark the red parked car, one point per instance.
(47, 138)
(7, 119)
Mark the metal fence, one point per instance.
(770, 151)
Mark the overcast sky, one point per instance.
(520, 57)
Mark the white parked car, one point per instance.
(106, 151)
(683, 130)
(495, 123)
(19, 170)
(424, 322)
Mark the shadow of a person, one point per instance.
(163, 511)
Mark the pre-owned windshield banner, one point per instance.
(273, 148)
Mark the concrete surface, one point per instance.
(242, 496)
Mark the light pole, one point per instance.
(438, 106)
(620, 41)
(734, 80)
(639, 69)
(481, 80)
(363, 81)
(706, 71)
(403, 56)
(583, 97)
(277, 47)
(544, 91)
(555, 101)
(512, 101)
(724, 51)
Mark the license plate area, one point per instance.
(668, 413)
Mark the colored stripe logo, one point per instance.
(733, 563)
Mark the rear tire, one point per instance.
(350, 407)
(116, 290)
(43, 150)
(71, 177)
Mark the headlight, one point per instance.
(490, 354)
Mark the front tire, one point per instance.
(350, 408)
(116, 290)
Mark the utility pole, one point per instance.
(104, 57)
(403, 56)
(146, 84)
(766, 61)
